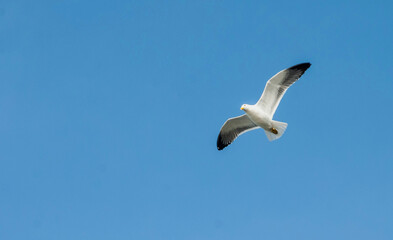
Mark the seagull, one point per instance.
(261, 114)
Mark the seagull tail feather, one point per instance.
(277, 130)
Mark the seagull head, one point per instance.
(244, 107)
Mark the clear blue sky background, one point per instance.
(110, 112)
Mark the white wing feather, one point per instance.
(233, 128)
(277, 86)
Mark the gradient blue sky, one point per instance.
(110, 112)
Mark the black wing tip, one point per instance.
(301, 66)
(220, 144)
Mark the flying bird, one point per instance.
(260, 115)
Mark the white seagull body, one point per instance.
(261, 114)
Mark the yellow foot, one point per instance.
(273, 130)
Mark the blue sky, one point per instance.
(110, 112)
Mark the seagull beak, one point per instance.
(242, 108)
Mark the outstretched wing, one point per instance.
(233, 128)
(278, 85)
